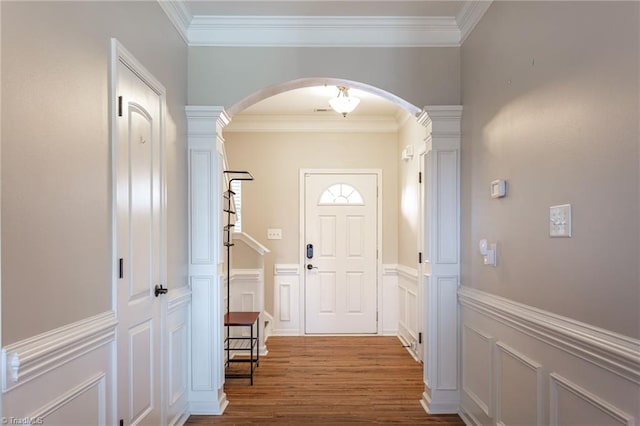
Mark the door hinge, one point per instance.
(420, 257)
(121, 268)
(420, 337)
(376, 254)
(419, 177)
(376, 316)
(119, 106)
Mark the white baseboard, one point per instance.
(180, 419)
(206, 408)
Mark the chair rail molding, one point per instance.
(205, 162)
(29, 359)
(545, 369)
(606, 349)
(63, 376)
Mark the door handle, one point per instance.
(310, 267)
(160, 290)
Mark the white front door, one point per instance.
(140, 234)
(340, 253)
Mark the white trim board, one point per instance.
(606, 349)
(325, 31)
(29, 359)
(250, 242)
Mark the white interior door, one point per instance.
(341, 275)
(139, 219)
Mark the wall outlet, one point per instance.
(274, 234)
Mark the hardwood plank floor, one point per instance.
(330, 381)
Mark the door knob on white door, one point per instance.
(160, 290)
(310, 267)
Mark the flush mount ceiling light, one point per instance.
(343, 103)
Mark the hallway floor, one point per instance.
(330, 381)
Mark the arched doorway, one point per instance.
(439, 271)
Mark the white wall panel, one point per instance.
(286, 301)
(518, 388)
(548, 369)
(177, 335)
(477, 363)
(390, 301)
(409, 324)
(64, 376)
(573, 405)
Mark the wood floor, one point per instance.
(330, 381)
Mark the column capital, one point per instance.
(206, 120)
(441, 118)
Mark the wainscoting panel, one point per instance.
(547, 369)
(573, 405)
(390, 302)
(517, 376)
(64, 376)
(247, 295)
(177, 338)
(409, 309)
(286, 280)
(478, 382)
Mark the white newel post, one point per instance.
(205, 143)
(441, 269)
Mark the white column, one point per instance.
(441, 269)
(205, 144)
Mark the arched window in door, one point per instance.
(341, 194)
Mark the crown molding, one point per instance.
(312, 123)
(179, 15)
(324, 31)
(470, 15)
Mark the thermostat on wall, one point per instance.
(498, 188)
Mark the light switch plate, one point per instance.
(560, 221)
(274, 234)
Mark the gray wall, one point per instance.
(550, 93)
(56, 233)
(422, 76)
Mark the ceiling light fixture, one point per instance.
(343, 103)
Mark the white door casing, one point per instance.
(140, 238)
(340, 222)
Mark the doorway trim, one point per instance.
(441, 278)
(301, 220)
